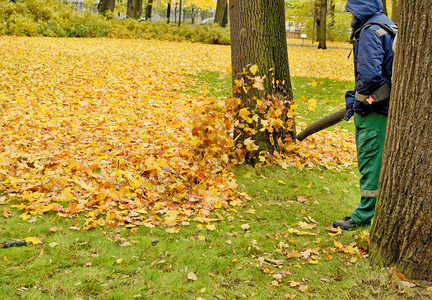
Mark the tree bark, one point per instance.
(221, 15)
(134, 9)
(401, 235)
(395, 11)
(261, 77)
(321, 23)
(148, 11)
(105, 5)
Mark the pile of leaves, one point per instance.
(102, 128)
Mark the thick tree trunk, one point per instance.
(402, 231)
(395, 11)
(258, 46)
(105, 5)
(321, 23)
(134, 9)
(148, 11)
(221, 15)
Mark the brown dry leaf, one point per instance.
(125, 244)
(292, 283)
(303, 288)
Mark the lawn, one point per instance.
(97, 158)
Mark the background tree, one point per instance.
(331, 14)
(105, 5)
(134, 9)
(221, 15)
(148, 11)
(384, 3)
(401, 235)
(395, 11)
(261, 77)
(321, 22)
(168, 15)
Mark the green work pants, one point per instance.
(370, 136)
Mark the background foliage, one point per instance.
(57, 19)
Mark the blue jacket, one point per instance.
(373, 57)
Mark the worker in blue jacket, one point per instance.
(373, 57)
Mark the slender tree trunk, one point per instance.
(148, 11)
(221, 15)
(395, 11)
(105, 5)
(180, 13)
(322, 23)
(168, 12)
(315, 18)
(401, 235)
(134, 9)
(332, 6)
(384, 3)
(260, 77)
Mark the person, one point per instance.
(373, 59)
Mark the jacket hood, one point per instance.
(364, 9)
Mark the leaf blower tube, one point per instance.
(322, 124)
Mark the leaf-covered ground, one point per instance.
(103, 127)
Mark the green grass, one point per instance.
(228, 261)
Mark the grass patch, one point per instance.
(227, 257)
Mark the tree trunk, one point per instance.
(148, 11)
(134, 9)
(105, 5)
(265, 122)
(384, 3)
(180, 13)
(221, 15)
(322, 23)
(168, 12)
(401, 235)
(395, 11)
(332, 6)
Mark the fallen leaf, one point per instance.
(192, 276)
(245, 226)
(303, 288)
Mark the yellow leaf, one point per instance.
(245, 226)
(33, 240)
(119, 260)
(253, 69)
(337, 244)
(211, 227)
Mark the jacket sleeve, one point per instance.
(370, 59)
